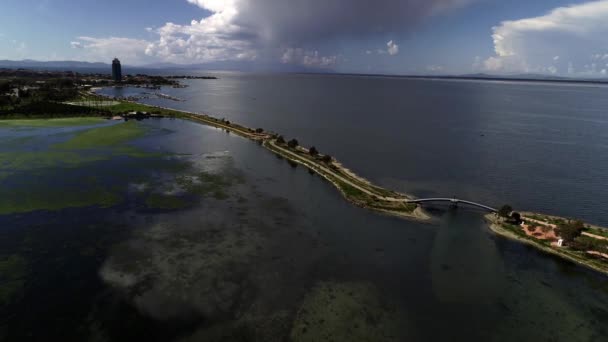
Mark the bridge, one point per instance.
(454, 201)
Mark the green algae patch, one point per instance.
(104, 136)
(60, 122)
(346, 312)
(33, 199)
(11, 162)
(184, 190)
(13, 270)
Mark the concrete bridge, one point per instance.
(454, 201)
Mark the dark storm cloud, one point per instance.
(287, 31)
(296, 22)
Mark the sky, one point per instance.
(553, 37)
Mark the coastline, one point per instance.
(416, 213)
(495, 226)
(354, 188)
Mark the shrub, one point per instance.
(570, 230)
(313, 151)
(505, 210)
(326, 158)
(292, 143)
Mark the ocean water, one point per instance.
(537, 146)
(205, 236)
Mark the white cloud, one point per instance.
(572, 33)
(104, 49)
(392, 48)
(307, 58)
(434, 68)
(247, 30)
(571, 68)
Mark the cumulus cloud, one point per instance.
(103, 49)
(246, 29)
(566, 33)
(273, 30)
(307, 58)
(392, 48)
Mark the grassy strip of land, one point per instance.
(362, 197)
(353, 188)
(56, 122)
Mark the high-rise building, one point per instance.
(116, 70)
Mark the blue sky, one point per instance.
(383, 36)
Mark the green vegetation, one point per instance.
(13, 270)
(326, 158)
(13, 162)
(313, 151)
(586, 243)
(570, 230)
(505, 210)
(45, 109)
(293, 143)
(42, 197)
(56, 122)
(575, 250)
(104, 136)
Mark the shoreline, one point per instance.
(496, 227)
(355, 189)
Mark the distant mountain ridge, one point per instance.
(29, 63)
(100, 67)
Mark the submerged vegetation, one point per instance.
(13, 270)
(55, 122)
(346, 312)
(104, 136)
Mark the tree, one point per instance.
(313, 151)
(516, 217)
(259, 130)
(505, 210)
(326, 158)
(5, 87)
(570, 230)
(280, 140)
(293, 143)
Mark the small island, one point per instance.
(570, 239)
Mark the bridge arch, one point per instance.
(452, 200)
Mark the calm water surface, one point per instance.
(209, 237)
(539, 147)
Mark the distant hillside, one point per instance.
(28, 63)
